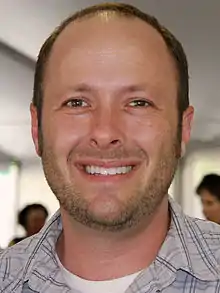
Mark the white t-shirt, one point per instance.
(119, 285)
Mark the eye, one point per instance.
(76, 103)
(139, 103)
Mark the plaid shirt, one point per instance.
(188, 261)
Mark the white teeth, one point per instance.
(123, 170)
(107, 171)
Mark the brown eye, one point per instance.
(139, 103)
(76, 103)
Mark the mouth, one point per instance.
(104, 171)
(107, 171)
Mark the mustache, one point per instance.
(107, 154)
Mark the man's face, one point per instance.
(110, 121)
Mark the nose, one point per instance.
(106, 130)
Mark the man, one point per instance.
(209, 192)
(110, 119)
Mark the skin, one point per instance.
(35, 221)
(211, 206)
(126, 85)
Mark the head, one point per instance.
(209, 192)
(110, 114)
(32, 218)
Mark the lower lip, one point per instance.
(107, 178)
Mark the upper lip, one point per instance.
(107, 163)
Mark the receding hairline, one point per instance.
(108, 17)
(104, 15)
(108, 11)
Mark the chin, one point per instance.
(106, 205)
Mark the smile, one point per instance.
(95, 170)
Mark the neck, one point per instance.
(95, 255)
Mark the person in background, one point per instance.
(209, 192)
(32, 218)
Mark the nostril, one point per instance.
(105, 142)
(115, 141)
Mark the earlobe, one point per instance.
(34, 128)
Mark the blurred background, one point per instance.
(25, 24)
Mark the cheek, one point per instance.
(64, 132)
(152, 134)
(217, 208)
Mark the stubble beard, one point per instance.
(142, 203)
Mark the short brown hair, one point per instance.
(23, 214)
(211, 183)
(129, 11)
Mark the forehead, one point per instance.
(104, 42)
(36, 212)
(206, 195)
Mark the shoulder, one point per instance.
(199, 242)
(15, 241)
(206, 228)
(20, 261)
(206, 235)
(14, 259)
(193, 227)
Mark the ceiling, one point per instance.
(25, 24)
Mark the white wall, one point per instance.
(16, 82)
(33, 188)
(8, 192)
(19, 187)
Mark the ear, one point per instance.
(34, 128)
(187, 120)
